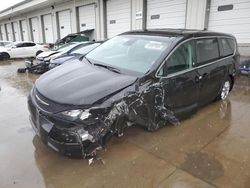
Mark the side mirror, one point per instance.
(13, 47)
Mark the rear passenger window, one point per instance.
(29, 44)
(207, 50)
(181, 59)
(227, 47)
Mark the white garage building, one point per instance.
(44, 21)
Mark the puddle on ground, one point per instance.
(203, 166)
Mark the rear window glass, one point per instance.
(227, 47)
(207, 50)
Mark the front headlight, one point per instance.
(77, 114)
(47, 59)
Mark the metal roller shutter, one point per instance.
(9, 32)
(166, 14)
(231, 16)
(24, 30)
(16, 32)
(3, 32)
(48, 28)
(35, 29)
(64, 18)
(87, 18)
(118, 17)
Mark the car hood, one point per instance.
(62, 59)
(4, 49)
(79, 83)
(46, 54)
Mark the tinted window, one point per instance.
(227, 47)
(29, 44)
(181, 59)
(207, 50)
(20, 45)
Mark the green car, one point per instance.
(74, 37)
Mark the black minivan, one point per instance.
(148, 78)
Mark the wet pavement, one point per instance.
(209, 149)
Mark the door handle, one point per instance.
(198, 79)
(205, 74)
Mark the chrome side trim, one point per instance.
(41, 101)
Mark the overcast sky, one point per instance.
(7, 3)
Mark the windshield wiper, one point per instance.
(88, 60)
(116, 70)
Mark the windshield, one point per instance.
(135, 53)
(84, 49)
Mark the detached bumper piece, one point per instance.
(35, 69)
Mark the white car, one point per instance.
(22, 50)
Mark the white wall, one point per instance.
(196, 15)
(57, 7)
(196, 12)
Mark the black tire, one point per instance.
(21, 70)
(225, 89)
(5, 56)
(37, 53)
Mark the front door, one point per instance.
(179, 80)
(17, 51)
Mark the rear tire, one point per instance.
(225, 89)
(21, 70)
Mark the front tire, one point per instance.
(225, 89)
(5, 56)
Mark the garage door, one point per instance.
(118, 17)
(24, 30)
(9, 32)
(64, 18)
(166, 13)
(231, 16)
(3, 32)
(35, 29)
(87, 19)
(48, 28)
(16, 32)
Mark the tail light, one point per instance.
(46, 45)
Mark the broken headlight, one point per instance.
(76, 114)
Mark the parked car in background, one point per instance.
(45, 57)
(77, 52)
(41, 64)
(147, 78)
(245, 67)
(73, 37)
(5, 43)
(22, 50)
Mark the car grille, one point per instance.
(48, 105)
(33, 111)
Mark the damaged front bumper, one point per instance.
(64, 137)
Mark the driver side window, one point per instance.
(20, 45)
(181, 59)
